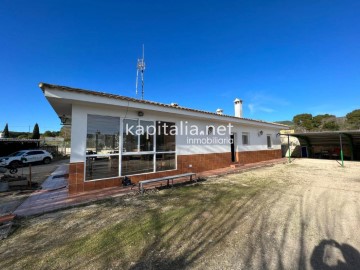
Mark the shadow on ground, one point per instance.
(330, 255)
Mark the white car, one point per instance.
(24, 157)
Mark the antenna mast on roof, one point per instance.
(141, 69)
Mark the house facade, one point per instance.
(115, 136)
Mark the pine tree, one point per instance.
(6, 132)
(303, 121)
(36, 132)
(353, 118)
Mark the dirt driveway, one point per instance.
(311, 222)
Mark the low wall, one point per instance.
(185, 163)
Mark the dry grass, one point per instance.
(222, 223)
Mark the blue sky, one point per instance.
(281, 57)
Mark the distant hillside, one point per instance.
(306, 122)
(27, 135)
(23, 135)
(286, 122)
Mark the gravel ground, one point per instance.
(310, 222)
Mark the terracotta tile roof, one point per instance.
(103, 94)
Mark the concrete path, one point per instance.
(54, 195)
(51, 197)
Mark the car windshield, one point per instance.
(16, 154)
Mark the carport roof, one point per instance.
(18, 140)
(328, 137)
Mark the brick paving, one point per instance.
(6, 218)
(54, 194)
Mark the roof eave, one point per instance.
(44, 86)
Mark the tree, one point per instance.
(6, 131)
(330, 125)
(36, 132)
(19, 135)
(321, 119)
(23, 136)
(317, 121)
(303, 121)
(49, 133)
(353, 118)
(65, 132)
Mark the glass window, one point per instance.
(147, 136)
(268, 137)
(165, 136)
(102, 167)
(130, 137)
(102, 134)
(137, 164)
(138, 137)
(102, 147)
(165, 162)
(31, 153)
(16, 154)
(245, 138)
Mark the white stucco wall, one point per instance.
(78, 134)
(79, 130)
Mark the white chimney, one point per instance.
(238, 107)
(219, 111)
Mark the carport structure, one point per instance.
(11, 145)
(330, 144)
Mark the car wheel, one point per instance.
(15, 164)
(46, 160)
(13, 170)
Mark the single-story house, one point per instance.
(113, 136)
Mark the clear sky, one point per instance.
(281, 58)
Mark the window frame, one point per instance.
(154, 152)
(88, 157)
(138, 137)
(161, 121)
(122, 153)
(247, 134)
